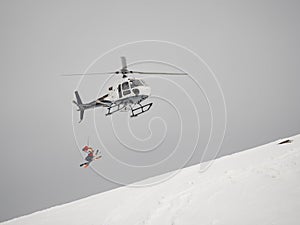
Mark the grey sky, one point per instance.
(252, 46)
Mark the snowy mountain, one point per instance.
(257, 186)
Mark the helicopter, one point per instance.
(125, 94)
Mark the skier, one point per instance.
(90, 157)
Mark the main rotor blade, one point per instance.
(88, 74)
(124, 64)
(158, 73)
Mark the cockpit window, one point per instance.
(135, 83)
(125, 86)
(126, 92)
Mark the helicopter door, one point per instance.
(125, 88)
(119, 90)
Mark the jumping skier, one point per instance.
(90, 157)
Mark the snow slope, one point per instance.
(257, 186)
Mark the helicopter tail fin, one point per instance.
(79, 102)
(81, 115)
(80, 105)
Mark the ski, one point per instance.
(86, 164)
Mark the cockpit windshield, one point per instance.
(136, 83)
(125, 86)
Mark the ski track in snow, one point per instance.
(257, 186)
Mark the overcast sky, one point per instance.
(252, 48)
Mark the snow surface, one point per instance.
(257, 186)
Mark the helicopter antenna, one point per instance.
(88, 141)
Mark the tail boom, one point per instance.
(97, 103)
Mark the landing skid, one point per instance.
(142, 108)
(134, 111)
(114, 108)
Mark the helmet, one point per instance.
(85, 148)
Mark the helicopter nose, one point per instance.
(144, 90)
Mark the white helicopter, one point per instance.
(125, 94)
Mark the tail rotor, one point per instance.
(80, 105)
